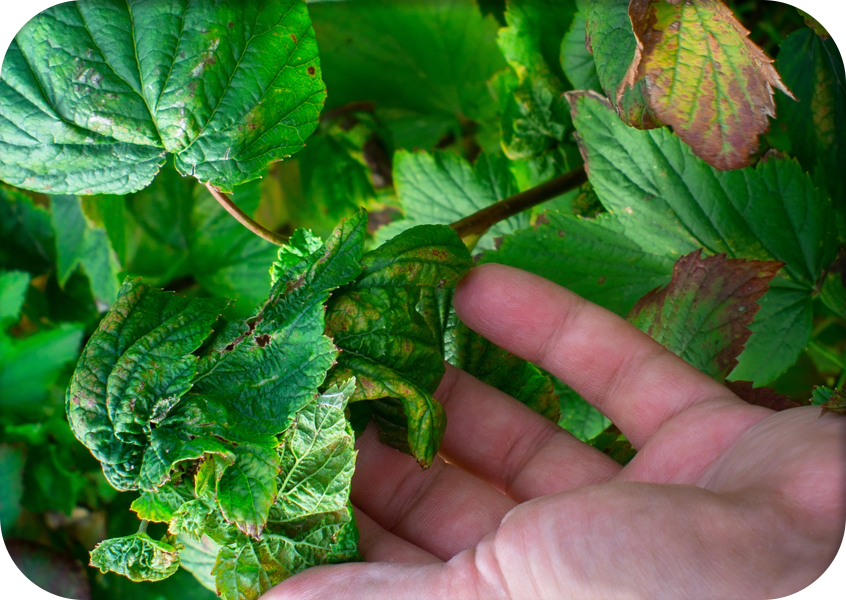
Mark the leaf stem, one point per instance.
(479, 223)
(143, 527)
(243, 218)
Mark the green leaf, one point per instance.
(816, 125)
(198, 558)
(434, 60)
(248, 570)
(704, 313)
(248, 488)
(26, 233)
(55, 572)
(13, 286)
(705, 77)
(160, 505)
(11, 481)
(833, 293)
(576, 59)
(168, 448)
(80, 243)
(317, 460)
(781, 330)
(28, 367)
(95, 95)
(138, 557)
(265, 369)
(826, 17)
(134, 368)
(487, 362)
(578, 416)
(443, 188)
(591, 257)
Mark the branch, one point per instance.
(243, 218)
(478, 223)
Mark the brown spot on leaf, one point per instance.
(312, 70)
(294, 37)
(262, 340)
(231, 25)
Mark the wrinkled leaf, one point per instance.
(248, 488)
(138, 557)
(139, 362)
(95, 94)
(704, 313)
(160, 505)
(264, 370)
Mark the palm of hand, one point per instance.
(724, 499)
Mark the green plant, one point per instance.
(227, 406)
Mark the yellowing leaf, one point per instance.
(704, 76)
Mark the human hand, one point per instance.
(723, 500)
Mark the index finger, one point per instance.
(629, 377)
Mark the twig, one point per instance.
(243, 218)
(478, 223)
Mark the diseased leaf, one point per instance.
(535, 118)
(611, 40)
(816, 125)
(590, 257)
(409, 418)
(487, 362)
(137, 364)
(264, 370)
(168, 448)
(672, 202)
(389, 325)
(830, 400)
(705, 77)
(761, 396)
(138, 557)
(310, 522)
(248, 488)
(95, 94)
(55, 572)
(826, 17)
(443, 188)
(704, 313)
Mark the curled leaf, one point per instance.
(138, 557)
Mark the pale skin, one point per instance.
(723, 500)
